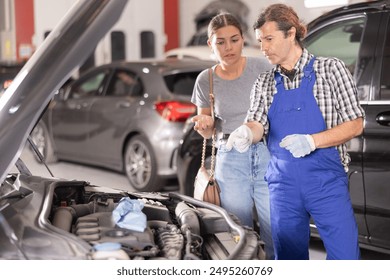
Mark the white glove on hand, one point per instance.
(299, 145)
(240, 139)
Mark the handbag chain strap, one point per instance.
(211, 96)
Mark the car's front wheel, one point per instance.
(140, 165)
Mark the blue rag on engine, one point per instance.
(128, 214)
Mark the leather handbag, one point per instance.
(206, 187)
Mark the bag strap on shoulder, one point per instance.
(211, 96)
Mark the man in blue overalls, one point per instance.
(307, 108)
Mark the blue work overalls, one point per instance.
(312, 186)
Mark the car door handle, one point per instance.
(82, 105)
(383, 118)
(124, 104)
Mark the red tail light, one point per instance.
(7, 83)
(175, 111)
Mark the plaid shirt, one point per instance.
(334, 91)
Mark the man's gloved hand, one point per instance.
(240, 139)
(299, 145)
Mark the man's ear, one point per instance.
(292, 32)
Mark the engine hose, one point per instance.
(187, 216)
(188, 252)
(239, 229)
(63, 217)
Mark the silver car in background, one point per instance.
(124, 116)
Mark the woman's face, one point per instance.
(227, 43)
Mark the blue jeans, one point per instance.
(241, 179)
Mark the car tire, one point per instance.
(41, 138)
(140, 165)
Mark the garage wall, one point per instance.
(139, 16)
(189, 9)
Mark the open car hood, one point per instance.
(67, 46)
(52, 218)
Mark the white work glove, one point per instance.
(299, 145)
(240, 139)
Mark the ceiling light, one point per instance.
(324, 3)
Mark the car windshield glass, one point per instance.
(181, 84)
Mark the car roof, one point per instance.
(164, 66)
(204, 53)
(191, 52)
(10, 67)
(11, 64)
(350, 9)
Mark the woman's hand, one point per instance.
(202, 122)
(204, 125)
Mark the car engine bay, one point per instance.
(56, 219)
